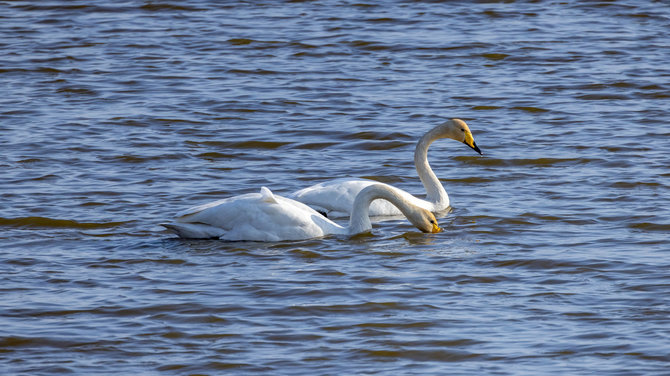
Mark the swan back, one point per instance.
(259, 216)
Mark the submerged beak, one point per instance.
(435, 228)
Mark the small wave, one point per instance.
(134, 159)
(242, 144)
(367, 135)
(262, 72)
(603, 96)
(59, 7)
(54, 71)
(41, 222)
(257, 144)
(634, 184)
(362, 308)
(156, 7)
(543, 162)
(485, 108)
(315, 145)
(17, 342)
(371, 46)
(470, 180)
(212, 156)
(77, 90)
(530, 109)
(647, 226)
(375, 145)
(421, 355)
(240, 41)
(551, 264)
(495, 56)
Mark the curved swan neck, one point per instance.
(360, 215)
(434, 190)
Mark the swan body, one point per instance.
(336, 197)
(265, 216)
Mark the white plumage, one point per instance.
(336, 197)
(264, 216)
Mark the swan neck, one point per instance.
(435, 192)
(360, 215)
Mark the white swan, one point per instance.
(336, 197)
(267, 217)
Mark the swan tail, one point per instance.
(194, 230)
(267, 196)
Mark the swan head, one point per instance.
(458, 130)
(424, 220)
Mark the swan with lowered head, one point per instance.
(267, 217)
(336, 197)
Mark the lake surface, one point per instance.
(553, 260)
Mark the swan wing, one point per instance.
(283, 219)
(257, 217)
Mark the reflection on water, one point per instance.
(114, 117)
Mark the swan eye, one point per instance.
(462, 129)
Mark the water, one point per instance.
(554, 259)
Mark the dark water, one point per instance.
(554, 260)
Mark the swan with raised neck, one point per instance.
(336, 197)
(455, 129)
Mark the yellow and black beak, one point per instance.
(435, 228)
(475, 148)
(470, 141)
